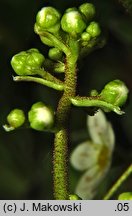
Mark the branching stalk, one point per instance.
(70, 41)
(57, 42)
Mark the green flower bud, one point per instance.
(27, 62)
(16, 118)
(88, 10)
(115, 92)
(71, 9)
(74, 197)
(125, 196)
(93, 29)
(85, 36)
(93, 92)
(55, 54)
(41, 117)
(48, 18)
(72, 22)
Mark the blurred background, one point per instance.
(25, 154)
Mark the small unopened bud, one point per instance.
(93, 29)
(55, 54)
(71, 9)
(72, 22)
(115, 92)
(27, 62)
(16, 118)
(88, 10)
(85, 36)
(48, 18)
(41, 117)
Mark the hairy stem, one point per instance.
(60, 158)
(95, 101)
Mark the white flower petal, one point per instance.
(110, 137)
(95, 156)
(88, 184)
(100, 130)
(97, 126)
(85, 155)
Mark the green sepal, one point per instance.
(27, 62)
(46, 41)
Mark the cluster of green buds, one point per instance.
(92, 32)
(78, 22)
(56, 30)
(75, 22)
(40, 118)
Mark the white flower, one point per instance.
(94, 157)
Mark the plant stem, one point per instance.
(57, 41)
(118, 183)
(57, 86)
(95, 101)
(60, 158)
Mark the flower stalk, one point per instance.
(71, 36)
(56, 86)
(60, 155)
(119, 182)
